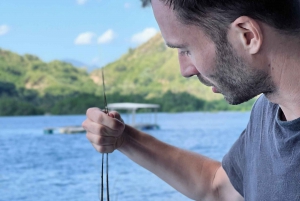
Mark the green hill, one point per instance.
(151, 69)
(31, 86)
(55, 78)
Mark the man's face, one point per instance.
(216, 64)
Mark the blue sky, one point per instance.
(94, 32)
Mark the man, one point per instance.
(241, 49)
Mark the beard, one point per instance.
(234, 78)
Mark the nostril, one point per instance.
(189, 71)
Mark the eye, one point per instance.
(185, 53)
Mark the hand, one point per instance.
(104, 131)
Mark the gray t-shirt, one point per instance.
(264, 163)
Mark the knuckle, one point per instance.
(102, 130)
(84, 124)
(91, 111)
(100, 118)
(100, 140)
(88, 111)
(99, 149)
(102, 149)
(90, 136)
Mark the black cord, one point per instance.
(102, 178)
(107, 186)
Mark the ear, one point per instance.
(249, 34)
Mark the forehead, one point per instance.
(172, 29)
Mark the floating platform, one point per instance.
(65, 130)
(72, 129)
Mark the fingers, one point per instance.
(101, 140)
(104, 131)
(97, 116)
(116, 115)
(98, 129)
(103, 144)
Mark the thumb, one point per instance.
(115, 115)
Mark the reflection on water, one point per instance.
(34, 166)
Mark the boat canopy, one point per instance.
(131, 106)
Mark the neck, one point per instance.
(285, 71)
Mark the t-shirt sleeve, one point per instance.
(234, 162)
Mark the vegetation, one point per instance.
(148, 74)
(150, 69)
(169, 102)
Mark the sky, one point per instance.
(94, 32)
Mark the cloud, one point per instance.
(143, 36)
(4, 29)
(81, 2)
(84, 38)
(127, 5)
(106, 37)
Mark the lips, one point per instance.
(207, 83)
(215, 89)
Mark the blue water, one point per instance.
(34, 166)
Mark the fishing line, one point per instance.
(102, 183)
(102, 165)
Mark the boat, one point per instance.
(72, 129)
(65, 130)
(132, 108)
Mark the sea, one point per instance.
(61, 167)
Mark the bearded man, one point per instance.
(240, 48)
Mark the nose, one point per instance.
(187, 67)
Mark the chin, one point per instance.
(237, 100)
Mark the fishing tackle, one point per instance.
(107, 184)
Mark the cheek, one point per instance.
(204, 58)
(205, 64)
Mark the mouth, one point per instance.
(204, 81)
(215, 90)
(208, 84)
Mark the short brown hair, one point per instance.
(216, 15)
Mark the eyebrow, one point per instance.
(179, 46)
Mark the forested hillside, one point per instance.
(31, 86)
(151, 69)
